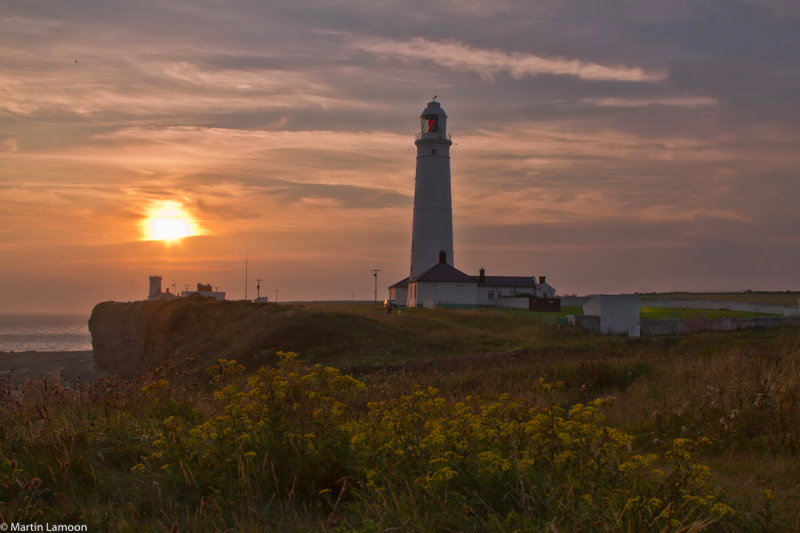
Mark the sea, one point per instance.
(41, 332)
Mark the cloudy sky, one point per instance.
(614, 146)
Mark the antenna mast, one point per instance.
(375, 275)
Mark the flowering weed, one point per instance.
(281, 431)
(491, 461)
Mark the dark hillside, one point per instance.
(134, 336)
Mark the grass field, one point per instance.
(468, 420)
(656, 313)
(788, 298)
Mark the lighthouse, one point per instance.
(434, 281)
(432, 230)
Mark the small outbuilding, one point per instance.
(618, 313)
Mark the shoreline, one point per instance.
(16, 367)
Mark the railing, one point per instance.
(418, 137)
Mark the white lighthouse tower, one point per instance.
(432, 232)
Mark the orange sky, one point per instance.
(645, 147)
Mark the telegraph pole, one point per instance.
(375, 275)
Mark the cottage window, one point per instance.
(491, 295)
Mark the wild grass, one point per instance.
(655, 313)
(757, 297)
(503, 423)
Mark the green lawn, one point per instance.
(654, 313)
(769, 298)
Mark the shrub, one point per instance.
(487, 463)
(280, 432)
(21, 499)
(295, 446)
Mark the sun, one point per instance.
(168, 220)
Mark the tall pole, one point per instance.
(375, 275)
(258, 289)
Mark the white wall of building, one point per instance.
(435, 294)
(399, 295)
(155, 288)
(514, 303)
(545, 290)
(618, 313)
(490, 295)
(217, 295)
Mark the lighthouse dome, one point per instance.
(434, 108)
(433, 124)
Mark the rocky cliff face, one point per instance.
(118, 331)
(131, 337)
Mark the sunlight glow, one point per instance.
(168, 221)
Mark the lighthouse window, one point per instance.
(430, 124)
(433, 151)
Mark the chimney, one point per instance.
(482, 275)
(541, 280)
(442, 257)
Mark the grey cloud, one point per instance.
(611, 233)
(344, 196)
(212, 198)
